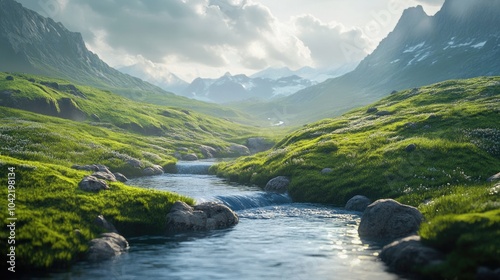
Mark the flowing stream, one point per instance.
(275, 239)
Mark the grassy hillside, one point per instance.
(432, 147)
(48, 125)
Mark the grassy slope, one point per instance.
(455, 126)
(42, 148)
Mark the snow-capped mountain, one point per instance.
(462, 40)
(156, 75)
(229, 88)
(315, 75)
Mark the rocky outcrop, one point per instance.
(92, 184)
(258, 144)
(408, 254)
(410, 148)
(208, 152)
(387, 219)
(205, 216)
(358, 203)
(108, 245)
(120, 177)
(190, 157)
(152, 170)
(326, 170)
(495, 177)
(278, 184)
(238, 150)
(105, 176)
(101, 222)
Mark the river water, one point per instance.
(275, 239)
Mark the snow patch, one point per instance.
(479, 45)
(395, 61)
(414, 48)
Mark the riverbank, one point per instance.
(432, 147)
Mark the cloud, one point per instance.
(331, 44)
(432, 2)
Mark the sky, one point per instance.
(207, 38)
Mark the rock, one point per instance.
(387, 219)
(207, 151)
(92, 184)
(92, 167)
(239, 150)
(190, 157)
(258, 144)
(102, 168)
(278, 184)
(411, 148)
(9, 78)
(206, 216)
(495, 177)
(358, 203)
(152, 170)
(120, 177)
(183, 149)
(108, 245)
(326, 170)
(383, 113)
(105, 176)
(485, 273)
(101, 222)
(135, 163)
(371, 110)
(407, 254)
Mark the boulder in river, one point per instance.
(108, 245)
(358, 203)
(202, 217)
(387, 219)
(152, 170)
(409, 254)
(120, 177)
(278, 184)
(190, 157)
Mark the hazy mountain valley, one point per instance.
(416, 121)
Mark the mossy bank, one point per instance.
(432, 147)
(49, 125)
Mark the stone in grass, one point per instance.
(411, 148)
(92, 184)
(387, 220)
(105, 176)
(120, 177)
(495, 177)
(326, 170)
(358, 203)
(278, 184)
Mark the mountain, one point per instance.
(315, 75)
(31, 43)
(460, 41)
(155, 75)
(237, 88)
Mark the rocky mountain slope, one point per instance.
(460, 41)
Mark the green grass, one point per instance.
(55, 220)
(455, 126)
(42, 135)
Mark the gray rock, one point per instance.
(258, 144)
(102, 168)
(205, 216)
(105, 176)
(135, 163)
(495, 177)
(408, 254)
(278, 184)
(92, 167)
(383, 113)
(326, 170)
(183, 149)
(357, 203)
(411, 148)
(101, 222)
(107, 246)
(238, 150)
(152, 170)
(371, 110)
(207, 151)
(120, 177)
(190, 157)
(92, 184)
(387, 219)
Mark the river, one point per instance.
(275, 239)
